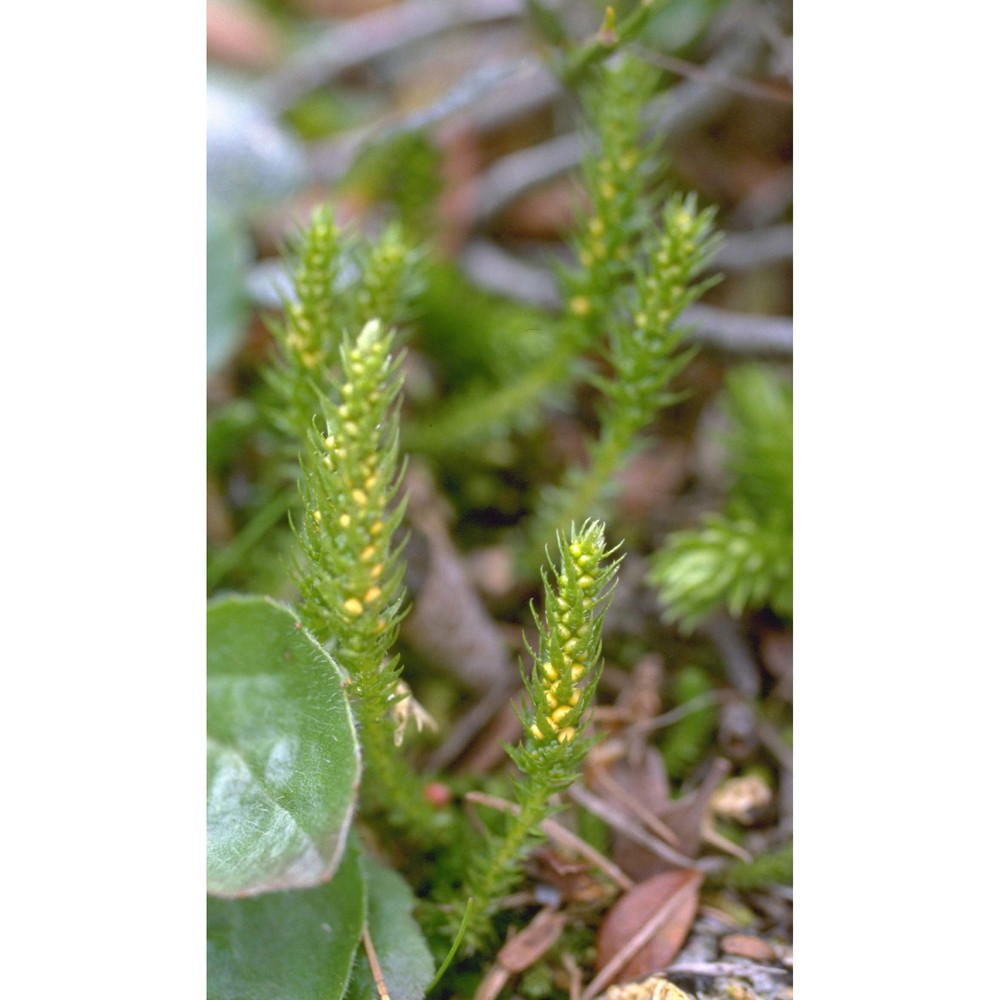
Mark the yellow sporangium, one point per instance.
(570, 637)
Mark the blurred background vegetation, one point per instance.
(459, 121)
(448, 117)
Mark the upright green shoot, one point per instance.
(351, 578)
(338, 283)
(566, 669)
(644, 353)
(616, 171)
(616, 175)
(307, 338)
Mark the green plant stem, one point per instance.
(587, 493)
(496, 879)
(608, 40)
(561, 687)
(395, 786)
(644, 354)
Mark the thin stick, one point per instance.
(641, 936)
(676, 714)
(692, 71)
(575, 976)
(724, 968)
(607, 783)
(611, 816)
(383, 990)
(741, 333)
(561, 834)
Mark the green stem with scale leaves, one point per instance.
(566, 670)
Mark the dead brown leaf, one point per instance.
(573, 879)
(747, 946)
(241, 34)
(531, 943)
(522, 951)
(631, 927)
(448, 623)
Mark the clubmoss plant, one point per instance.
(308, 337)
(643, 355)
(566, 669)
(338, 283)
(615, 178)
(388, 279)
(741, 558)
(351, 582)
(489, 368)
(616, 172)
(608, 39)
(351, 578)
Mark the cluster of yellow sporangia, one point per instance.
(309, 318)
(301, 336)
(357, 468)
(558, 711)
(570, 635)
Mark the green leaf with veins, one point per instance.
(283, 758)
(296, 945)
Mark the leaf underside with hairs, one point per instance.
(283, 759)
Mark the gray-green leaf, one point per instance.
(295, 945)
(229, 252)
(403, 955)
(283, 758)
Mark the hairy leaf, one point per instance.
(297, 945)
(283, 759)
(403, 955)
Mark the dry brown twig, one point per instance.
(621, 821)
(676, 714)
(383, 990)
(606, 783)
(575, 975)
(727, 81)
